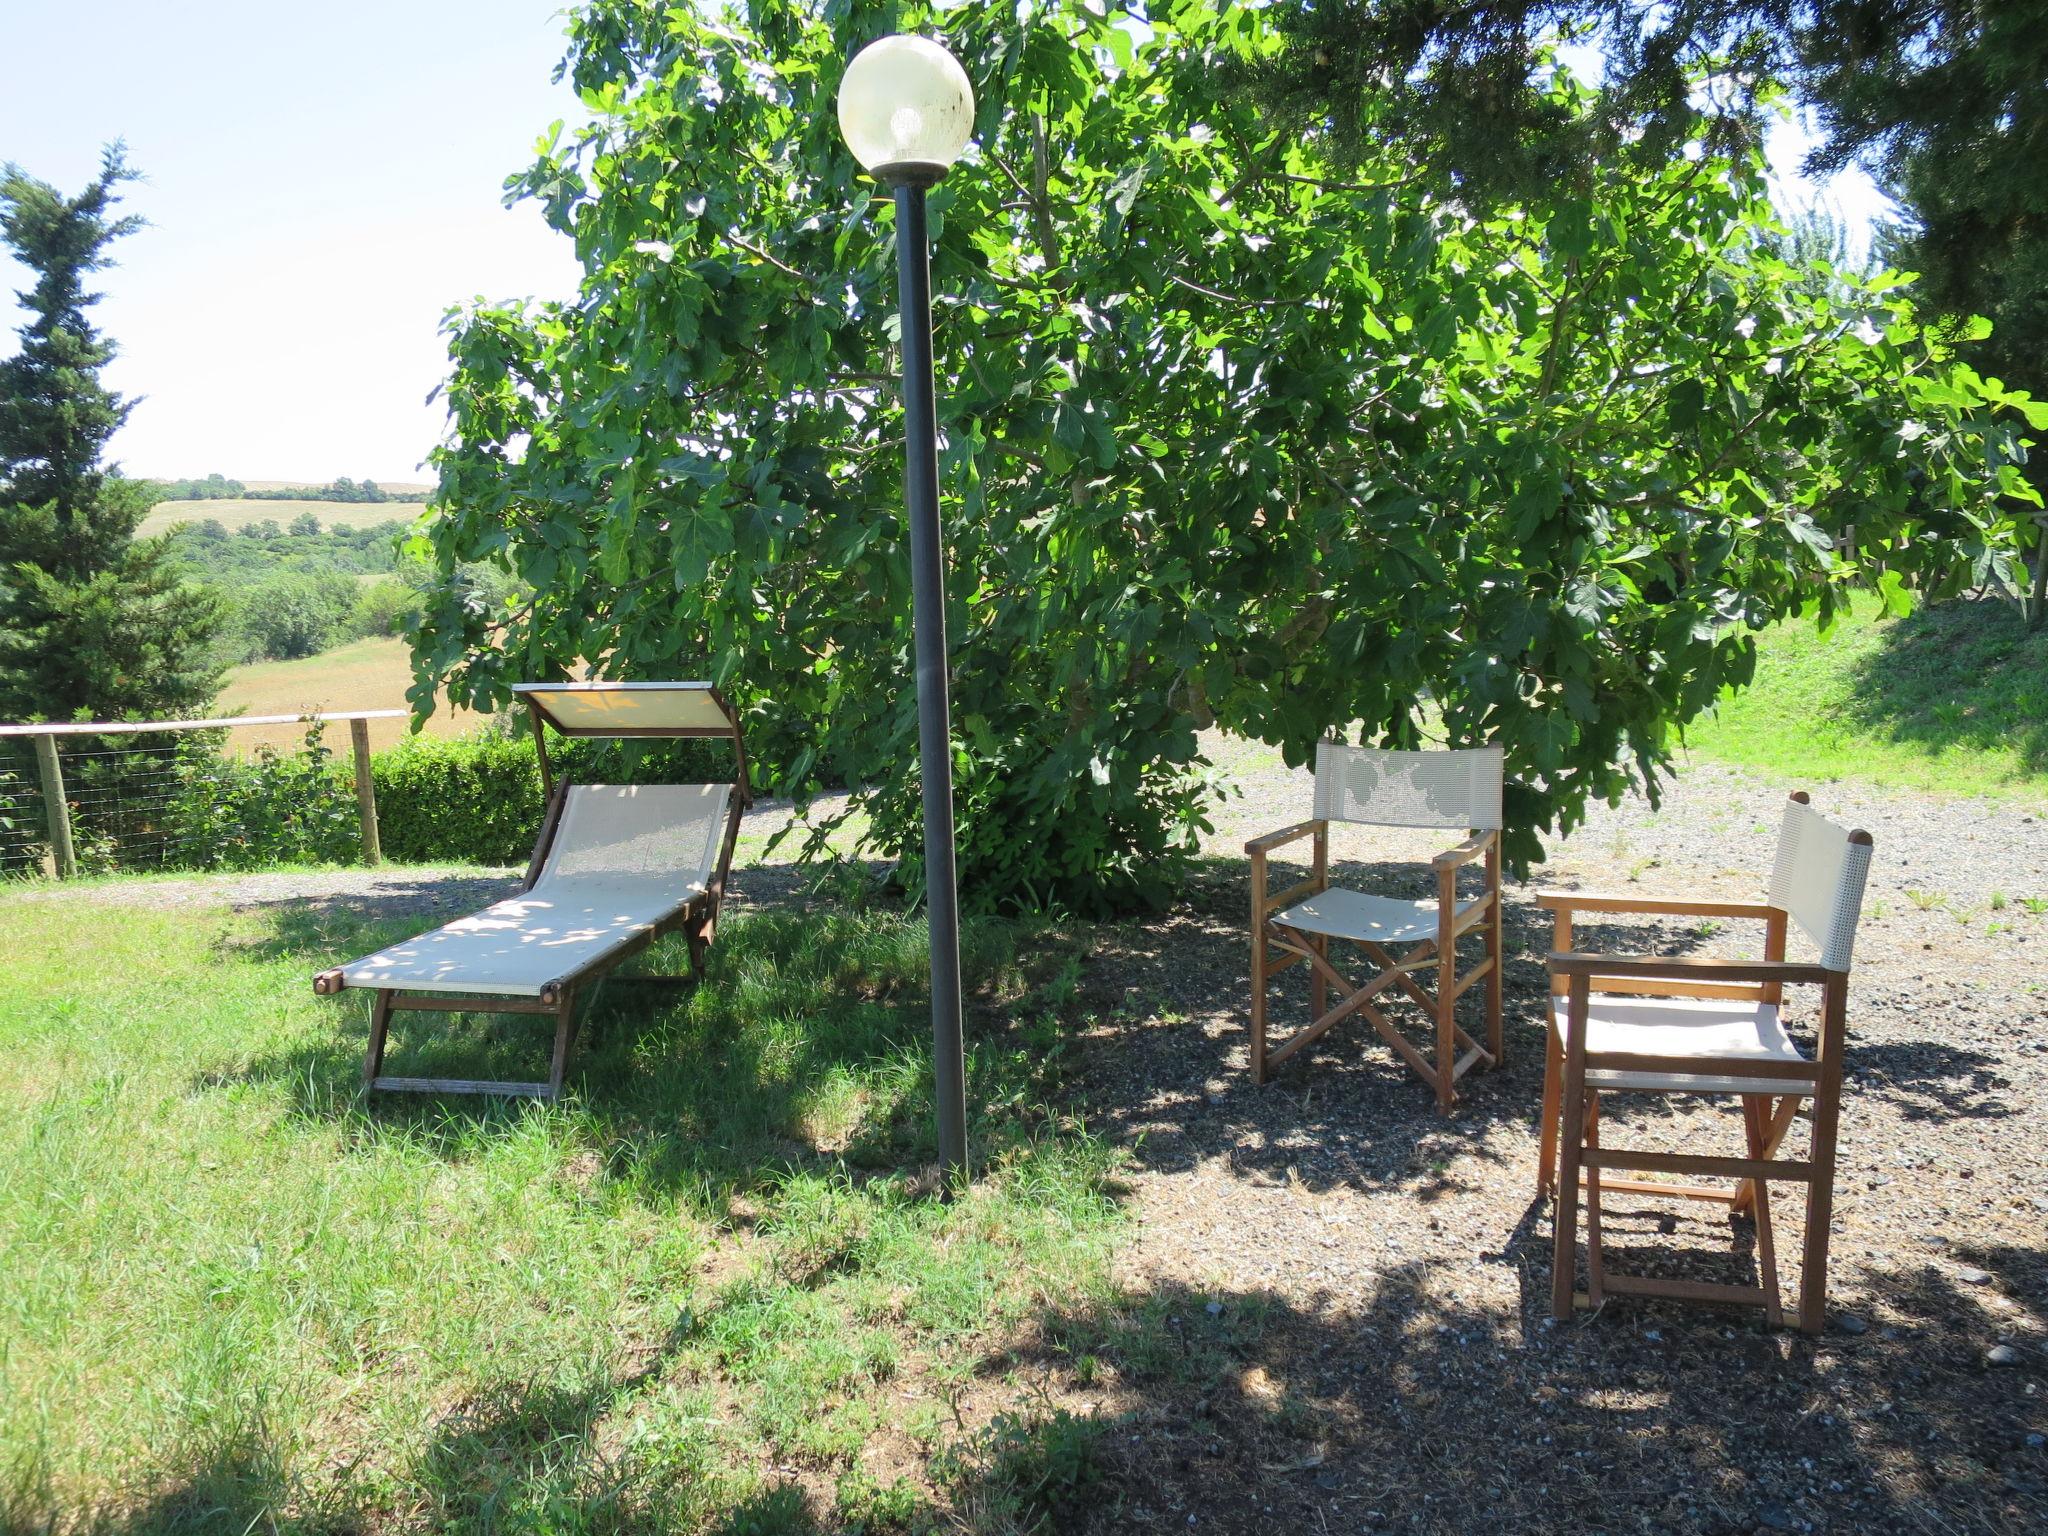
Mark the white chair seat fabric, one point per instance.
(625, 858)
(1338, 913)
(1719, 1033)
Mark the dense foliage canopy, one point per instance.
(1231, 435)
(1942, 99)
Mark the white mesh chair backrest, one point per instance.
(1818, 879)
(639, 832)
(1409, 789)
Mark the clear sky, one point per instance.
(323, 181)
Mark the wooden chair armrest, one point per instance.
(1466, 851)
(1685, 906)
(1684, 967)
(1274, 840)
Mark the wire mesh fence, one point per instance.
(24, 820)
(174, 795)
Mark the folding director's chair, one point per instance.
(1452, 789)
(1670, 1024)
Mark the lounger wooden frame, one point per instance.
(559, 998)
(1455, 1051)
(1573, 1158)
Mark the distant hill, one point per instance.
(396, 487)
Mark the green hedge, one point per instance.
(470, 800)
(476, 799)
(466, 800)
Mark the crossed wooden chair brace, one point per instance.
(1671, 1025)
(615, 868)
(1453, 789)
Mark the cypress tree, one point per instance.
(94, 623)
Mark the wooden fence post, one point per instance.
(366, 789)
(57, 808)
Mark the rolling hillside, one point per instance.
(368, 674)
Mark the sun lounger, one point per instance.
(616, 867)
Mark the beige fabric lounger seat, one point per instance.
(616, 867)
(625, 860)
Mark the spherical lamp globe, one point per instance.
(906, 109)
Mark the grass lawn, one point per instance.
(365, 674)
(710, 1290)
(1953, 698)
(231, 514)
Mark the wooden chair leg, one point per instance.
(1596, 1279)
(1820, 1212)
(1446, 992)
(1318, 983)
(1258, 1046)
(1756, 1123)
(380, 1029)
(1496, 951)
(1553, 1091)
(1779, 1121)
(1564, 1261)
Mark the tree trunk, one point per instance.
(2037, 605)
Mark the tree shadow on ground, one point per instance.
(241, 1481)
(1346, 1111)
(1966, 675)
(1415, 1410)
(1929, 1080)
(724, 1080)
(1170, 1080)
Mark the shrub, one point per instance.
(386, 606)
(295, 615)
(282, 808)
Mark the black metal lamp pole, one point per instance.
(907, 110)
(934, 720)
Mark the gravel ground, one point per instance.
(1369, 1283)
(1381, 1275)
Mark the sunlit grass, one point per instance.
(1953, 699)
(234, 1293)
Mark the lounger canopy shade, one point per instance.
(630, 709)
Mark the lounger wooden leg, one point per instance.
(1553, 1091)
(565, 1032)
(380, 1028)
(1756, 1121)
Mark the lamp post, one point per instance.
(906, 109)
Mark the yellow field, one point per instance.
(166, 515)
(370, 674)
